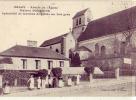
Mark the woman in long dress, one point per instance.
(6, 89)
(31, 83)
(61, 83)
(39, 83)
(69, 81)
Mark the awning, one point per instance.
(98, 71)
(73, 70)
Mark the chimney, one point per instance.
(31, 43)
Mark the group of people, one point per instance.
(51, 82)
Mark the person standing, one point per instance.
(46, 81)
(54, 82)
(61, 83)
(39, 83)
(6, 88)
(78, 79)
(69, 81)
(31, 82)
(50, 82)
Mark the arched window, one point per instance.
(103, 50)
(57, 50)
(96, 49)
(76, 22)
(79, 21)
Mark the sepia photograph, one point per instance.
(68, 48)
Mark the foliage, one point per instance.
(57, 72)
(75, 59)
(11, 75)
(89, 70)
(42, 73)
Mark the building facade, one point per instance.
(113, 34)
(60, 44)
(80, 22)
(31, 58)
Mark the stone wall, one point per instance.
(107, 62)
(112, 43)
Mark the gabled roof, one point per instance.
(53, 40)
(80, 13)
(32, 52)
(117, 22)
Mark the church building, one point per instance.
(114, 34)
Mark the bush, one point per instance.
(89, 70)
(57, 72)
(11, 75)
(42, 73)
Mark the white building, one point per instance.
(31, 58)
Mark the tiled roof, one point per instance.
(53, 41)
(117, 22)
(80, 13)
(32, 52)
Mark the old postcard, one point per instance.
(67, 48)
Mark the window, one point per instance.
(79, 20)
(103, 50)
(61, 63)
(50, 64)
(76, 22)
(96, 49)
(24, 63)
(38, 64)
(50, 47)
(57, 50)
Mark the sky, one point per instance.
(15, 29)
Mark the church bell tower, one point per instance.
(80, 22)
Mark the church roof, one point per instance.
(80, 13)
(83, 48)
(32, 52)
(117, 22)
(53, 40)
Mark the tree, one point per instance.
(42, 73)
(76, 60)
(57, 72)
(89, 70)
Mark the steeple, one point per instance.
(80, 21)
